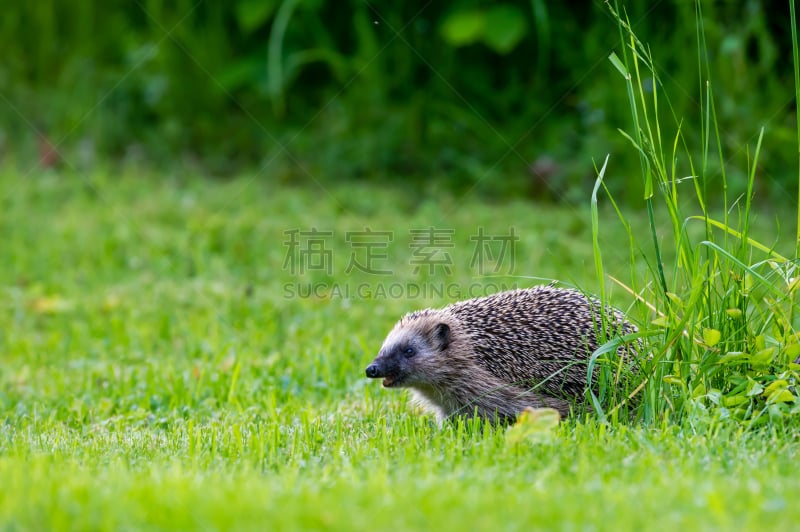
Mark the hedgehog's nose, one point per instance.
(373, 371)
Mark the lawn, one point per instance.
(163, 366)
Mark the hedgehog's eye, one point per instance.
(409, 352)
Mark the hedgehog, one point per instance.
(495, 356)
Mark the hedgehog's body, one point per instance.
(494, 356)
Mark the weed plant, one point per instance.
(720, 321)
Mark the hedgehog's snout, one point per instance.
(373, 371)
(386, 367)
(382, 367)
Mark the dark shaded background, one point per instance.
(509, 99)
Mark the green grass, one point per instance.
(154, 376)
(720, 315)
(160, 371)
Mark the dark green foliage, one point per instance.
(515, 98)
(720, 318)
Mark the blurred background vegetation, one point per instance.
(512, 98)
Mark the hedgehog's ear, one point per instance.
(441, 336)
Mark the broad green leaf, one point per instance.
(242, 72)
(253, 14)
(754, 388)
(741, 385)
(781, 396)
(792, 351)
(761, 342)
(732, 356)
(776, 410)
(711, 337)
(699, 390)
(661, 321)
(506, 25)
(776, 385)
(734, 313)
(714, 395)
(463, 27)
(763, 357)
(675, 299)
(734, 401)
